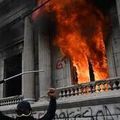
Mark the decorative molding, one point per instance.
(11, 100)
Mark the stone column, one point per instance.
(1, 75)
(61, 71)
(118, 9)
(44, 64)
(28, 61)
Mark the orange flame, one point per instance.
(80, 36)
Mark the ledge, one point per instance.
(112, 97)
(88, 94)
(10, 100)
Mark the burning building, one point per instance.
(72, 45)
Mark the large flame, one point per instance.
(80, 27)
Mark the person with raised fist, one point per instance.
(24, 110)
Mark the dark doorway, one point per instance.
(13, 66)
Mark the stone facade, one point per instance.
(43, 66)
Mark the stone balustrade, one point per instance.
(91, 87)
(75, 90)
(11, 100)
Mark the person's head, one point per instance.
(24, 109)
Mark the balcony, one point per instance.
(107, 85)
(103, 89)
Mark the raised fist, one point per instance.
(52, 92)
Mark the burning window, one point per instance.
(12, 67)
(81, 31)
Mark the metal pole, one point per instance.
(26, 72)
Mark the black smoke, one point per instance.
(104, 5)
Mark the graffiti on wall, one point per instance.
(86, 113)
(105, 112)
(60, 63)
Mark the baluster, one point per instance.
(61, 93)
(91, 88)
(98, 88)
(77, 89)
(69, 91)
(9, 101)
(1, 103)
(103, 87)
(111, 84)
(5, 103)
(65, 93)
(117, 84)
(106, 86)
(87, 89)
(73, 91)
(84, 90)
(114, 85)
(94, 87)
(81, 90)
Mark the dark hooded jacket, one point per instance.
(48, 116)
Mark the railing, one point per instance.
(75, 90)
(91, 87)
(11, 100)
